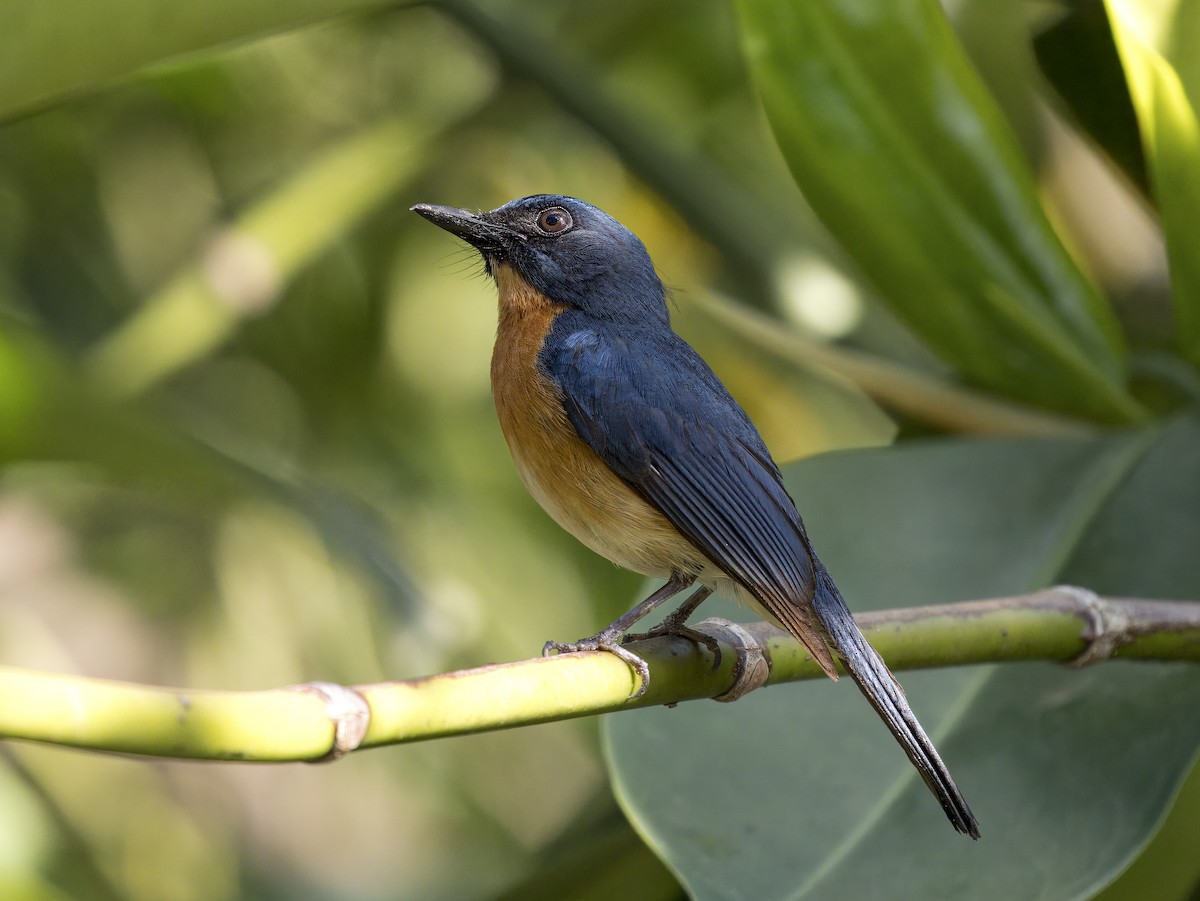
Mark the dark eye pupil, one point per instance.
(554, 221)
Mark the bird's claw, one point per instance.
(609, 642)
(669, 628)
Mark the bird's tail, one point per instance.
(880, 687)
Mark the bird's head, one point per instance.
(567, 250)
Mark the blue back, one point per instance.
(654, 411)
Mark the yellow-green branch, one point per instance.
(1068, 625)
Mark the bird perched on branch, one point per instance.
(630, 442)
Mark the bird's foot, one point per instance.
(674, 626)
(609, 641)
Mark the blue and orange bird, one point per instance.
(630, 442)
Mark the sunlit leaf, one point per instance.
(1166, 107)
(903, 155)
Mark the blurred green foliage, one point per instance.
(245, 424)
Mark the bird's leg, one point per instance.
(674, 624)
(608, 638)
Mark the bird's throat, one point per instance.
(518, 297)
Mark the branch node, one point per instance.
(751, 668)
(1107, 626)
(347, 710)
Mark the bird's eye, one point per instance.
(555, 220)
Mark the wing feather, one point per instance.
(677, 437)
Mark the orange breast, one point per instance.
(563, 474)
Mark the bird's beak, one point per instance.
(487, 237)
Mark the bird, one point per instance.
(626, 437)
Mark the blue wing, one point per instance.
(646, 403)
(650, 407)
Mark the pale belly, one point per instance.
(607, 516)
(584, 496)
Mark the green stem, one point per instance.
(247, 265)
(899, 388)
(1060, 624)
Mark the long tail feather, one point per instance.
(880, 687)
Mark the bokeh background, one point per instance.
(235, 470)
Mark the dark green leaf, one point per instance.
(797, 792)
